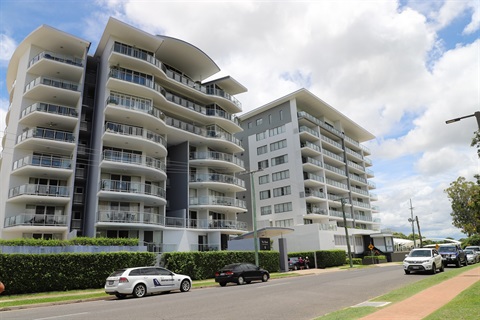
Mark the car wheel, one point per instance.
(240, 280)
(466, 263)
(458, 264)
(223, 284)
(185, 286)
(120, 296)
(442, 268)
(434, 269)
(265, 277)
(407, 272)
(139, 291)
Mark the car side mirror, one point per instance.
(406, 255)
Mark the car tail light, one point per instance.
(123, 280)
(228, 273)
(217, 274)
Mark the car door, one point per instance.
(251, 272)
(167, 279)
(437, 258)
(152, 279)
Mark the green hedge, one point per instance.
(30, 273)
(330, 258)
(79, 241)
(203, 265)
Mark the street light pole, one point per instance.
(476, 114)
(412, 221)
(342, 200)
(254, 212)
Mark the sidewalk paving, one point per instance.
(427, 301)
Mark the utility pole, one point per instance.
(419, 234)
(412, 221)
(342, 200)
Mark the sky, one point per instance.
(399, 69)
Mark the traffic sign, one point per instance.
(370, 246)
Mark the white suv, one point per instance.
(423, 259)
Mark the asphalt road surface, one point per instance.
(298, 298)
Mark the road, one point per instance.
(290, 298)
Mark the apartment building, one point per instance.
(132, 141)
(308, 166)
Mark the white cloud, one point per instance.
(7, 47)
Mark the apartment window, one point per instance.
(250, 125)
(284, 223)
(263, 179)
(261, 135)
(264, 194)
(281, 175)
(281, 114)
(259, 121)
(278, 145)
(262, 164)
(265, 210)
(262, 150)
(283, 207)
(278, 130)
(279, 160)
(282, 191)
(270, 119)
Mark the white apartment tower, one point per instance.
(130, 142)
(306, 158)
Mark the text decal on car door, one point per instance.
(156, 282)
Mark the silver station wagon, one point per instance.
(145, 280)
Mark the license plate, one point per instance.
(110, 282)
(415, 268)
(222, 274)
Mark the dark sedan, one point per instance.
(240, 273)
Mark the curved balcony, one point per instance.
(133, 191)
(54, 166)
(221, 182)
(53, 64)
(46, 140)
(34, 192)
(48, 113)
(138, 111)
(44, 88)
(31, 219)
(172, 74)
(213, 159)
(134, 163)
(117, 134)
(226, 203)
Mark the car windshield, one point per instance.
(447, 249)
(469, 251)
(420, 253)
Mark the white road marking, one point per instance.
(62, 316)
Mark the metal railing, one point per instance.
(31, 219)
(39, 190)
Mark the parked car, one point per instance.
(141, 281)
(294, 264)
(423, 259)
(475, 249)
(240, 273)
(472, 256)
(452, 254)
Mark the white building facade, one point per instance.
(131, 142)
(306, 158)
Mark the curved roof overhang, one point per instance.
(50, 39)
(228, 84)
(179, 54)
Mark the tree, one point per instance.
(399, 235)
(465, 200)
(476, 143)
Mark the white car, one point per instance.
(145, 280)
(423, 259)
(472, 256)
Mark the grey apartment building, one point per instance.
(305, 159)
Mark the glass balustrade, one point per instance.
(213, 155)
(27, 219)
(43, 161)
(39, 190)
(215, 177)
(58, 83)
(221, 201)
(48, 134)
(50, 108)
(132, 187)
(133, 158)
(56, 57)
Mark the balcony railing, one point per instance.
(361, 204)
(204, 247)
(357, 178)
(332, 142)
(316, 210)
(219, 201)
(127, 130)
(57, 83)
(362, 217)
(39, 190)
(313, 161)
(311, 131)
(311, 146)
(50, 108)
(31, 219)
(314, 193)
(48, 134)
(355, 165)
(56, 57)
(215, 177)
(335, 169)
(333, 155)
(220, 156)
(136, 104)
(133, 158)
(132, 187)
(43, 161)
(311, 176)
(336, 184)
(336, 213)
